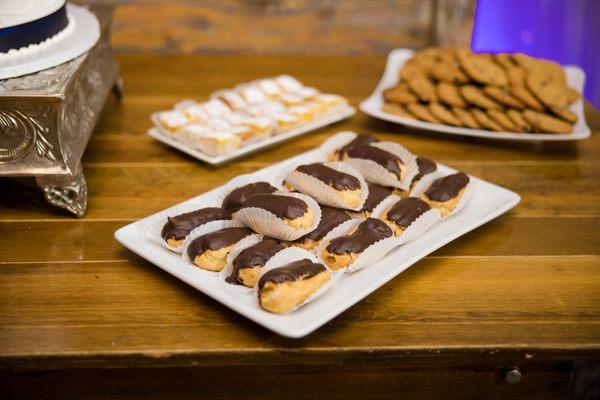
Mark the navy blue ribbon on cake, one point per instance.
(15, 37)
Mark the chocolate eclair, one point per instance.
(293, 211)
(392, 163)
(426, 166)
(179, 226)
(345, 187)
(343, 250)
(445, 193)
(210, 251)
(248, 263)
(359, 140)
(235, 200)
(330, 218)
(376, 194)
(281, 289)
(404, 212)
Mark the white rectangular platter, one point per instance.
(488, 202)
(396, 59)
(256, 146)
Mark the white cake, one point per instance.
(27, 24)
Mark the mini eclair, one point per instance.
(248, 263)
(389, 161)
(343, 189)
(404, 212)
(445, 193)
(426, 166)
(235, 200)
(330, 218)
(282, 289)
(179, 226)
(293, 211)
(210, 251)
(376, 194)
(342, 251)
(359, 140)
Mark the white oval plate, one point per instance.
(396, 59)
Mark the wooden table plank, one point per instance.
(96, 310)
(74, 241)
(409, 381)
(130, 191)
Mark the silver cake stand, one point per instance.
(47, 118)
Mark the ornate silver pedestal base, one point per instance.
(66, 191)
(46, 120)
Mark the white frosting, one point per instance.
(291, 99)
(306, 92)
(17, 12)
(288, 83)
(252, 95)
(35, 47)
(269, 87)
(216, 108)
(173, 119)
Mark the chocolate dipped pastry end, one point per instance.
(445, 193)
(248, 264)
(342, 251)
(282, 289)
(346, 187)
(404, 212)
(210, 251)
(179, 226)
(293, 211)
(330, 218)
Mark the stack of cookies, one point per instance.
(286, 239)
(497, 92)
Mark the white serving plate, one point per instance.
(396, 59)
(488, 202)
(339, 115)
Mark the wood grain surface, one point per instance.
(523, 289)
(271, 26)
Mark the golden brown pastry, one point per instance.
(282, 289)
(210, 251)
(445, 193)
(248, 264)
(342, 251)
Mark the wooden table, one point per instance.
(76, 307)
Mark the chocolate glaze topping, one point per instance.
(358, 141)
(448, 187)
(426, 166)
(386, 159)
(376, 194)
(235, 200)
(338, 180)
(330, 218)
(216, 240)
(255, 255)
(179, 226)
(294, 271)
(369, 231)
(406, 211)
(287, 207)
